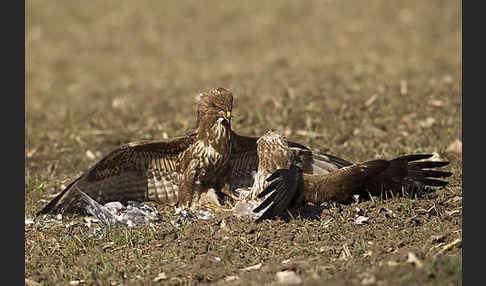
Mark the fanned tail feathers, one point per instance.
(409, 170)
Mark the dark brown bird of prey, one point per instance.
(286, 186)
(171, 171)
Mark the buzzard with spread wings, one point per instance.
(173, 171)
(286, 185)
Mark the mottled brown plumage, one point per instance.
(290, 186)
(170, 171)
(247, 171)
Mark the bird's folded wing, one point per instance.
(313, 162)
(244, 160)
(139, 171)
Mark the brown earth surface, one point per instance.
(360, 80)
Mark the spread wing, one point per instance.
(291, 186)
(285, 191)
(139, 171)
(244, 160)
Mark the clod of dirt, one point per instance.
(436, 103)
(448, 79)
(288, 277)
(368, 253)
(455, 147)
(222, 225)
(361, 219)
(90, 155)
(30, 282)
(285, 261)
(403, 87)
(427, 123)
(392, 263)
(160, 276)
(368, 279)
(231, 278)
(253, 267)
(412, 258)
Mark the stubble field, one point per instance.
(360, 80)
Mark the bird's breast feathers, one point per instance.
(208, 153)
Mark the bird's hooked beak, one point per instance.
(225, 116)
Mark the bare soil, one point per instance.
(360, 80)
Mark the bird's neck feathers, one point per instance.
(213, 137)
(213, 129)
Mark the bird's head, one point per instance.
(215, 106)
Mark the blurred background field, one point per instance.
(358, 79)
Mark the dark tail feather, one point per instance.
(429, 164)
(414, 157)
(418, 172)
(428, 173)
(375, 167)
(405, 170)
(51, 206)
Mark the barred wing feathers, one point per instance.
(141, 171)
